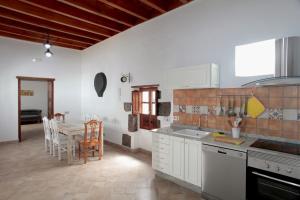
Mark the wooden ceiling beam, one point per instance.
(29, 27)
(78, 14)
(40, 36)
(154, 6)
(165, 5)
(28, 9)
(48, 24)
(134, 8)
(37, 40)
(101, 9)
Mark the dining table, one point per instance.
(71, 130)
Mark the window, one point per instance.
(144, 103)
(255, 59)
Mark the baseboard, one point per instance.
(10, 142)
(179, 182)
(144, 151)
(137, 150)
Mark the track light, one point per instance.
(48, 53)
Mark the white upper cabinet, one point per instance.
(200, 76)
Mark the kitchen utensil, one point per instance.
(218, 134)
(246, 106)
(241, 107)
(221, 106)
(255, 107)
(236, 122)
(231, 108)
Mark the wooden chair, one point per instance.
(48, 135)
(59, 117)
(92, 140)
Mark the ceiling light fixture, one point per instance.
(48, 53)
(47, 45)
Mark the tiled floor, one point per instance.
(28, 172)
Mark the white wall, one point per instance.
(204, 31)
(39, 100)
(16, 60)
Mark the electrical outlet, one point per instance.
(67, 112)
(176, 118)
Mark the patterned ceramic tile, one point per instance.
(212, 110)
(264, 115)
(290, 114)
(204, 110)
(196, 110)
(276, 113)
(298, 115)
(189, 109)
(182, 108)
(175, 108)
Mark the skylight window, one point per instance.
(255, 59)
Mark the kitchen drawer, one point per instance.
(157, 147)
(160, 138)
(163, 157)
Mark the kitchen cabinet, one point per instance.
(161, 158)
(200, 76)
(192, 156)
(177, 157)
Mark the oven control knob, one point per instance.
(278, 168)
(289, 170)
(267, 165)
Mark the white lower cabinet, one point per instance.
(178, 157)
(192, 157)
(161, 158)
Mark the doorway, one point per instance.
(33, 114)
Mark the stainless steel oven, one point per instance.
(273, 171)
(266, 185)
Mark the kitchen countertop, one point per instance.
(206, 139)
(242, 147)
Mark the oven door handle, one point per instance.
(276, 179)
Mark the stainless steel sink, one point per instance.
(192, 133)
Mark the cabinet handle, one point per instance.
(222, 152)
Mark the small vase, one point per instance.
(236, 132)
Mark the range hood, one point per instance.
(287, 64)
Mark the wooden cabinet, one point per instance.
(178, 157)
(192, 163)
(200, 76)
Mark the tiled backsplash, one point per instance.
(202, 107)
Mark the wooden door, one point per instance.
(50, 98)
